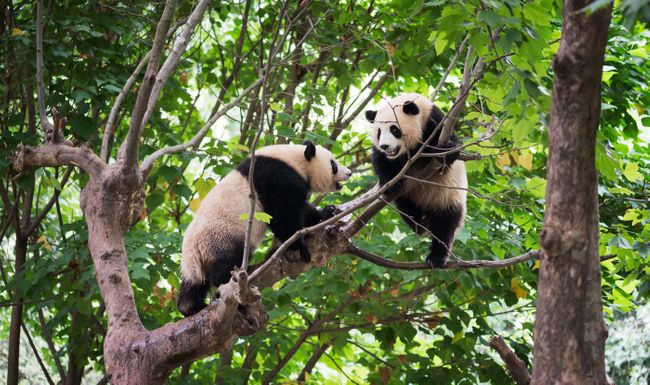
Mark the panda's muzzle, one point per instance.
(344, 175)
(391, 153)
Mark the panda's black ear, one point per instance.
(410, 108)
(310, 149)
(370, 115)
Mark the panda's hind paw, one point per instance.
(436, 262)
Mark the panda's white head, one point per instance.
(398, 123)
(323, 172)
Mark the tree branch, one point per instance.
(47, 126)
(172, 60)
(55, 155)
(109, 129)
(148, 162)
(516, 367)
(130, 154)
(492, 264)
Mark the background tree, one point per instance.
(292, 71)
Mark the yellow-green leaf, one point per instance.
(632, 173)
(262, 217)
(195, 204)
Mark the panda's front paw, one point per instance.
(436, 262)
(329, 211)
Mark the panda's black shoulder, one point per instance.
(434, 118)
(274, 176)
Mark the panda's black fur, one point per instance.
(283, 177)
(424, 207)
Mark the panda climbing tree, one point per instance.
(432, 196)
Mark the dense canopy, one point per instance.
(322, 63)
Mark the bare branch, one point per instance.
(172, 60)
(251, 169)
(516, 367)
(465, 86)
(449, 67)
(109, 128)
(55, 155)
(47, 126)
(37, 355)
(497, 264)
(130, 153)
(148, 162)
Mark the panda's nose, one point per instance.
(384, 146)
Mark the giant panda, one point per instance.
(399, 128)
(283, 177)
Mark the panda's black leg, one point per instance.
(442, 223)
(191, 298)
(223, 262)
(314, 215)
(411, 214)
(448, 159)
(286, 222)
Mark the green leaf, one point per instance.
(262, 217)
(632, 173)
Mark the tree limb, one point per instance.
(492, 264)
(130, 153)
(172, 60)
(109, 128)
(47, 126)
(55, 155)
(516, 367)
(148, 162)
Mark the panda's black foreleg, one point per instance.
(313, 215)
(411, 214)
(286, 222)
(447, 159)
(442, 223)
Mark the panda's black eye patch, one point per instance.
(335, 167)
(395, 131)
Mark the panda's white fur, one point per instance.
(284, 175)
(437, 200)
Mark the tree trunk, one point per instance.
(13, 354)
(569, 328)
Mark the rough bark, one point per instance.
(13, 351)
(569, 329)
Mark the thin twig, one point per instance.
(148, 162)
(449, 67)
(37, 221)
(498, 264)
(39, 68)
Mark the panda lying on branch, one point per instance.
(283, 177)
(436, 202)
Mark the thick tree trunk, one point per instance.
(569, 329)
